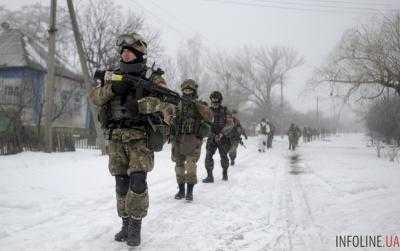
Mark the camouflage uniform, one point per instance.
(236, 138)
(190, 117)
(124, 113)
(218, 139)
(298, 135)
(292, 135)
(271, 133)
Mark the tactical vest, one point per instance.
(187, 119)
(263, 129)
(219, 121)
(122, 111)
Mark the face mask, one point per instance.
(215, 104)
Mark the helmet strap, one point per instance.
(132, 67)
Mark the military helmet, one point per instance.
(189, 83)
(234, 111)
(132, 40)
(216, 95)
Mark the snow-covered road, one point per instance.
(280, 200)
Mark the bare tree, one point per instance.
(170, 67)
(101, 22)
(222, 71)
(191, 61)
(366, 61)
(257, 71)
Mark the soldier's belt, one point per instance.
(126, 135)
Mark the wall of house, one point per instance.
(69, 96)
(21, 88)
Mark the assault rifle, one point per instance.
(140, 85)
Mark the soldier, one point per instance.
(292, 135)
(188, 129)
(297, 135)
(220, 128)
(262, 130)
(304, 134)
(271, 133)
(125, 113)
(236, 137)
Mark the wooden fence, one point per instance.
(64, 140)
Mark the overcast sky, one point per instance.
(313, 27)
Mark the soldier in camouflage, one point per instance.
(292, 136)
(236, 137)
(298, 135)
(189, 126)
(218, 138)
(125, 113)
(270, 135)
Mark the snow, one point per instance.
(33, 54)
(279, 200)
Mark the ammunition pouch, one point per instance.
(104, 116)
(148, 105)
(203, 130)
(157, 136)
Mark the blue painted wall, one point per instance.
(37, 78)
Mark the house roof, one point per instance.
(19, 50)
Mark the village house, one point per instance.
(23, 72)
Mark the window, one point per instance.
(65, 96)
(11, 90)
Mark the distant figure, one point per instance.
(297, 135)
(270, 135)
(292, 135)
(262, 131)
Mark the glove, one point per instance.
(119, 88)
(218, 137)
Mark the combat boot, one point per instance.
(225, 174)
(123, 234)
(134, 229)
(209, 178)
(189, 194)
(181, 192)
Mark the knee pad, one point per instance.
(138, 182)
(121, 184)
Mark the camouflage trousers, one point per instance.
(185, 153)
(233, 150)
(129, 161)
(186, 166)
(292, 142)
(223, 148)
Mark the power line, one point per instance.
(179, 32)
(181, 22)
(309, 4)
(253, 4)
(352, 3)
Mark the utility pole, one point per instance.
(317, 113)
(50, 80)
(85, 71)
(281, 95)
(281, 105)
